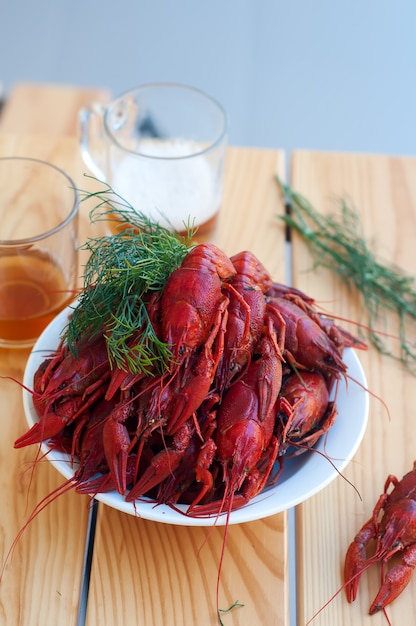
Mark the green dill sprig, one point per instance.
(235, 605)
(121, 273)
(337, 243)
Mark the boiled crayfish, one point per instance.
(253, 363)
(392, 527)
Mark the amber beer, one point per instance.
(206, 230)
(38, 247)
(32, 291)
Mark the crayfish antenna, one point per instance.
(386, 616)
(371, 393)
(33, 393)
(338, 591)
(224, 543)
(227, 512)
(40, 506)
(32, 468)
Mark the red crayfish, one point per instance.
(191, 299)
(246, 311)
(245, 423)
(253, 363)
(305, 411)
(392, 527)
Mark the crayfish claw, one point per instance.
(394, 583)
(161, 466)
(116, 446)
(356, 559)
(49, 426)
(352, 571)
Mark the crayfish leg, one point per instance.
(203, 474)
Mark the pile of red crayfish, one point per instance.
(253, 364)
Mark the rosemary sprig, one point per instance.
(121, 269)
(337, 243)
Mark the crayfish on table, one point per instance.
(253, 363)
(392, 527)
(252, 367)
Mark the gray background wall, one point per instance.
(319, 74)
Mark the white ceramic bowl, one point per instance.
(302, 476)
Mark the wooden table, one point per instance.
(154, 574)
(141, 571)
(383, 190)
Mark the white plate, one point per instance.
(302, 476)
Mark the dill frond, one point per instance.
(121, 271)
(337, 243)
(235, 605)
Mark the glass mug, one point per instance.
(161, 147)
(38, 247)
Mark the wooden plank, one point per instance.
(383, 190)
(155, 574)
(41, 583)
(46, 109)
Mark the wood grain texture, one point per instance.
(46, 110)
(41, 583)
(153, 574)
(383, 191)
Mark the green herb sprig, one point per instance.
(120, 270)
(337, 243)
(235, 605)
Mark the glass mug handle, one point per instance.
(92, 139)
